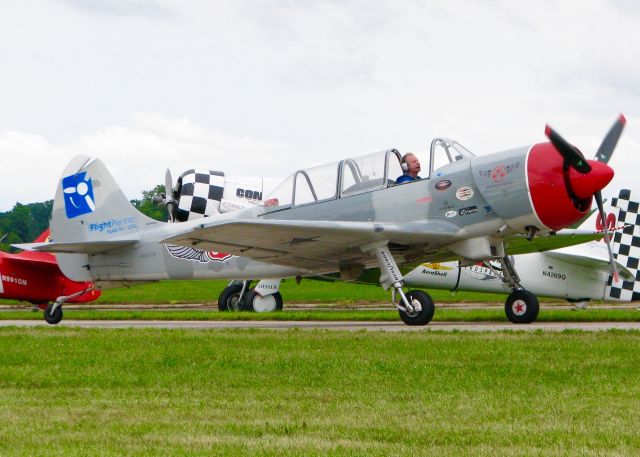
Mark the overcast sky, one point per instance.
(266, 87)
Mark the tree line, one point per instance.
(25, 222)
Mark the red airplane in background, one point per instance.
(35, 277)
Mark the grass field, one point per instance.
(72, 392)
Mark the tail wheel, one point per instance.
(522, 307)
(269, 303)
(423, 308)
(229, 299)
(54, 317)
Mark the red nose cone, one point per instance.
(585, 185)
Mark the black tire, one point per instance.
(522, 307)
(422, 317)
(256, 303)
(55, 317)
(228, 299)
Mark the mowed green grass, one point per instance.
(149, 392)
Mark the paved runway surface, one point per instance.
(335, 325)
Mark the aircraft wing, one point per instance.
(592, 262)
(519, 244)
(313, 245)
(40, 263)
(82, 247)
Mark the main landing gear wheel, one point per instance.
(522, 307)
(423, 308)
(229, 299)
(269, 303)
(53, 317)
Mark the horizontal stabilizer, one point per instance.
(87, 247)
(593, 262)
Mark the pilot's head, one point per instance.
(411, 164)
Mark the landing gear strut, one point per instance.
(521, 306)
(416, 307)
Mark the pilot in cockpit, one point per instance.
(411, 167)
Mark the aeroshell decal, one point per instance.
(197, 255)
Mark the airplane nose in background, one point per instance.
(586, 185)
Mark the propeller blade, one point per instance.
(168, 189)
(570, 153)
(611, 140)
(614, 268)
(168, 183)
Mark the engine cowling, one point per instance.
(532, 187)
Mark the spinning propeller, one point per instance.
(585, 178)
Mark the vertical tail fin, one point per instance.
(89, 205)
(43, 237)
(626, 247)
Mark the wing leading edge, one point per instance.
(314, 245)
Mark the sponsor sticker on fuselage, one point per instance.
(468, 210)
(443, 184)
(464, 193)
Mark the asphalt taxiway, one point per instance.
(333, 325)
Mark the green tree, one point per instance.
(148, 207)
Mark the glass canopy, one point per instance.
(356, 175)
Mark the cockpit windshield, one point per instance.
(357, 175)
(444, 152)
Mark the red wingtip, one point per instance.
(547, 130)
(622, 119)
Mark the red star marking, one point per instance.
(498, 173)
(519, 307)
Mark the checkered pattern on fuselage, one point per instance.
(626, 247)
(199, 194)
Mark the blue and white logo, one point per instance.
(78, 195)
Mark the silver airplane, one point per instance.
(343, 218)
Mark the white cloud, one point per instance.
(238, 83)
(136, 154)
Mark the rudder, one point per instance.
(626, 247)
